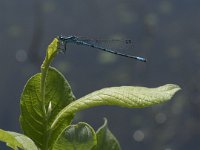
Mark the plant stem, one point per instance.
(44, 71)
(50, 54)
(42, 86)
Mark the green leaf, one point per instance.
(52, 50)
(16, 140)
(105, 139)
(58, 94)
(124, 96)
(76, 137)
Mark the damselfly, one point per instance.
(64, 40)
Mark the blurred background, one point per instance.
(166, 32)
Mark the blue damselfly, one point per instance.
(64, 40)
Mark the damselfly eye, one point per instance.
(61, 38)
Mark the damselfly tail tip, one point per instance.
(142, 59)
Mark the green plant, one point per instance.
(48, 107)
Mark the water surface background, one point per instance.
(165, 32)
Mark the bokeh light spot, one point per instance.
(138, 136)
(21, 55)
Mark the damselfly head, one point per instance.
(67, 38)
(64, 40)
(62, 44)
